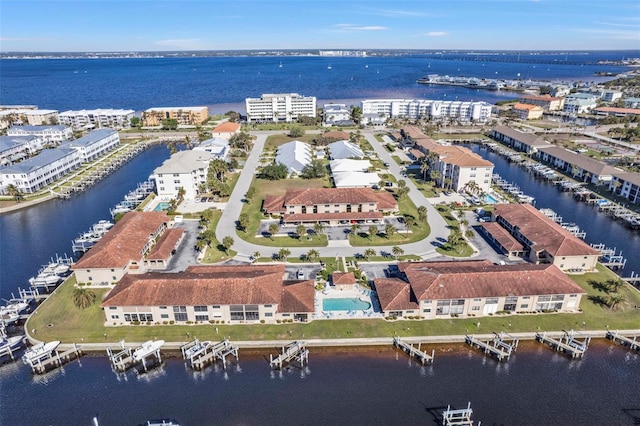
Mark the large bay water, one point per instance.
(376, 386)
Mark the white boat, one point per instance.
(17, 306)
(11, 343)
(9, 318)
(39, 351)
(146, 349)
(196, 349)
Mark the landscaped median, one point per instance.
(59, 319)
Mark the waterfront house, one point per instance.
(86, 119)
(37, 172)
(295, 155)
(547, 102)
(331, 206)
(434, 290)
(578, 103)
(94, 144)
(336, 115)
(579, 166)
(539, 239)
(186, 170)
(520, 141)
(627, 185)
(527, 111)
(137, 243)
(234, 294)
(456, 166)
(217, 147)
(16, 148)
(53, 135)
(280, 107)
(185, 116)
(226, 130)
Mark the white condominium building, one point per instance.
(16, 148)
(97, 118)
(95, 144)
(35, 173)
(184, 169)
(432, 109)
(48, 134)
(280, 107)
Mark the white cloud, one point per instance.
(353, 27)
(436, 34)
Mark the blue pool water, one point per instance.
(161, 206)
(489, 199)
(344, 305)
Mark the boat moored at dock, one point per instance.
(39, 352)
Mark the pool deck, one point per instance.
(357, 293)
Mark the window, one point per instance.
(163, 307)
(202, 317)
(267, 306)
(215, 307)
(492, 301)
(524, 306)
(557, 297)
(180, 313)
(268, 314)
(427, 310)
(475, 308)
(164, 316)
(573, 295)
(510, 303)
(113, 308)
(115, 316)
(200, 308)
(450, 306)
(477, 300)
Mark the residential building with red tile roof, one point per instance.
(547, 102)
(225, 130)
(456, 166)
(235, 294)
(543, 240)
(528, 111)
(343, 280)
(140, 241)
(618, 112)
(330, 205)
(477, 287)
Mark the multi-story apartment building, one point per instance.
(37, 172)
(428, 109)
(521, 141)
(528, 111)
(547, 102)
(580, 166)
(454, 167)
(474, 288)
(330, 206)
(186, 116)
(278, 107)
(97, 118)
(627, 185)
(48, 134)
(95, 143)
(233, 294)
(183, 170)
(17, 148)
(336, 114)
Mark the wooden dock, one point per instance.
(56, 359)
(501, 347)
(568, 343)
(632, 344)
(209, 354)
(121, 358)
(461, 417)
(414, 352)
(294, 351)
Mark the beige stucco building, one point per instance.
(186, 116)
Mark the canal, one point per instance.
(599, 227)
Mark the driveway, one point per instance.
(186, 253)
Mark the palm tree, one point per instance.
(13, 191)
(389, 230)
(301, 230)
(355, 228)
(373, 231)
(313, 255)
(227, 242)
(424, 167)
(614, 285)
(369, 253)
(83, 297)
(318, 228)
(256, 256)
(283, 253)
(397, 251)
(455, 238)
(410, 222)
(273, 229)
(614, 299)
(422, 214)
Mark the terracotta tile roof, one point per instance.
(546, 98)
(502, 236)
(527, 107)
(124, 242)
(312, 196)
(335, 134)
(416, 153)
(394, 294)
(273, 204)
(165, 245)
(461, 157)
(312, 217)
(343, 278)
(226, 127)
(614, 110)
(474, 279)
(542, 231)
(214, 285)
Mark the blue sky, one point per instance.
(145, 25)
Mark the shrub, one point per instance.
(135, 322)
(165, 322)
(261, 321)
(189, 322)
(172, 322)
(278, 321)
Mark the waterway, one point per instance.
(599, 227)
(374, 386)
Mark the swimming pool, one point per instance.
(161, 206)
(345, 304)
(490, 199)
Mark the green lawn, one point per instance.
(274, 141)
(59, 319)
(216, 253)
(462, 250)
